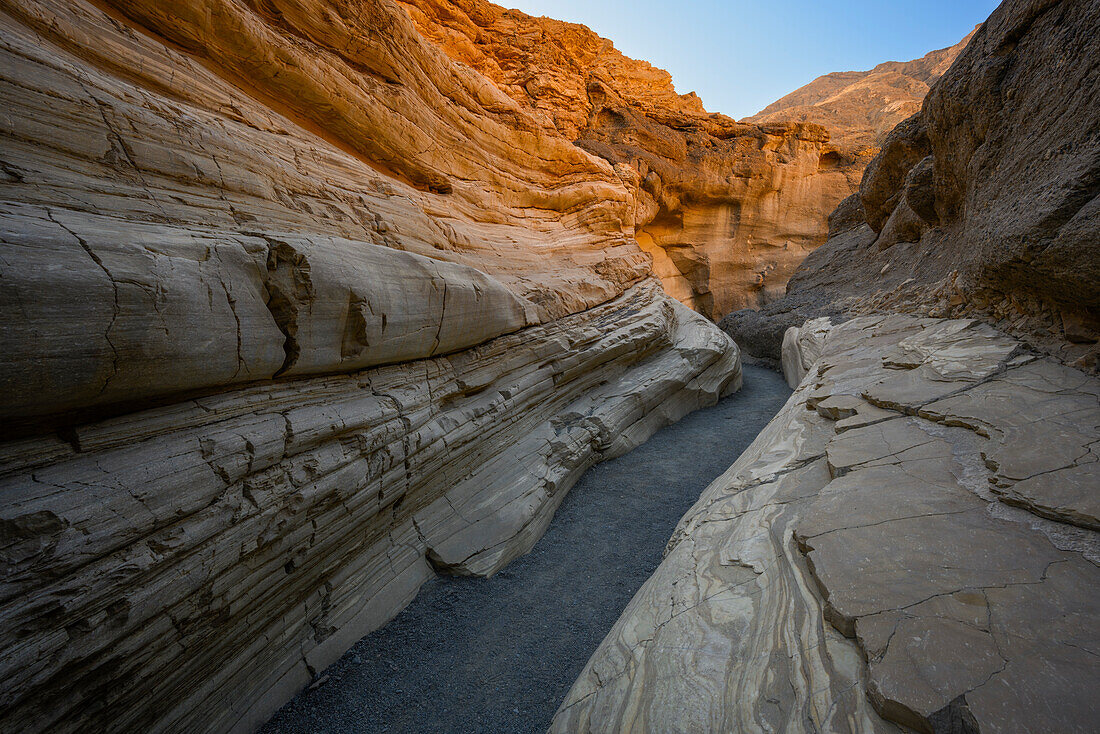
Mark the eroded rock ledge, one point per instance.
(912, 540)
(302, 311)
(191, 567)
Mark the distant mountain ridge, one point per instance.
(860, 107)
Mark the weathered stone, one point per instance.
(983, 204)
(1043, 418)
(866, 414)
(251, 537)
(964, 613)
(302, 313)
(801, 348)
(726, 209)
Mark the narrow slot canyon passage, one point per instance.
(499, 654)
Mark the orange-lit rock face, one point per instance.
(301, 152)
(726, 210)
(545, 65)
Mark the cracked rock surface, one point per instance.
(911, 542)
(182, 212)
(302, 313)
(192, 567)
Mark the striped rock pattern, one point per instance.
(302, 313)
(912, 541)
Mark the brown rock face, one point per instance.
(985, 202)
(861, 107)
(726, 210)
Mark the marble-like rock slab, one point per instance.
(942, 526)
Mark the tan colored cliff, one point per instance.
(301, 312)
(726, 210)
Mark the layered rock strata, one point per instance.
(303, 312)
(191, 567)
(727, 210)
(912, 541)
(983, 204)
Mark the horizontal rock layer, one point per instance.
(912, 540)
(168, 231)
(303, 311)
(190, 567)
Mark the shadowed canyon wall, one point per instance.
(982, 204)
(304, 312)
(913, 542)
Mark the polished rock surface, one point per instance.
(880, 556)
(303, 313)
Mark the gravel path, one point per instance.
(498, 655)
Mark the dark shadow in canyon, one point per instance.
(499, 654)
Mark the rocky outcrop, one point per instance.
(302, 312)
(912, 541)
(802, 346)
(546, 65)
(191, 567)
(985, 203)
(860, 108)
(726, 210)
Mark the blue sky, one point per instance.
(741, 55)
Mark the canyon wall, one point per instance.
(727, 210)
(983, 204)
(913, 542)
(301, 313)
